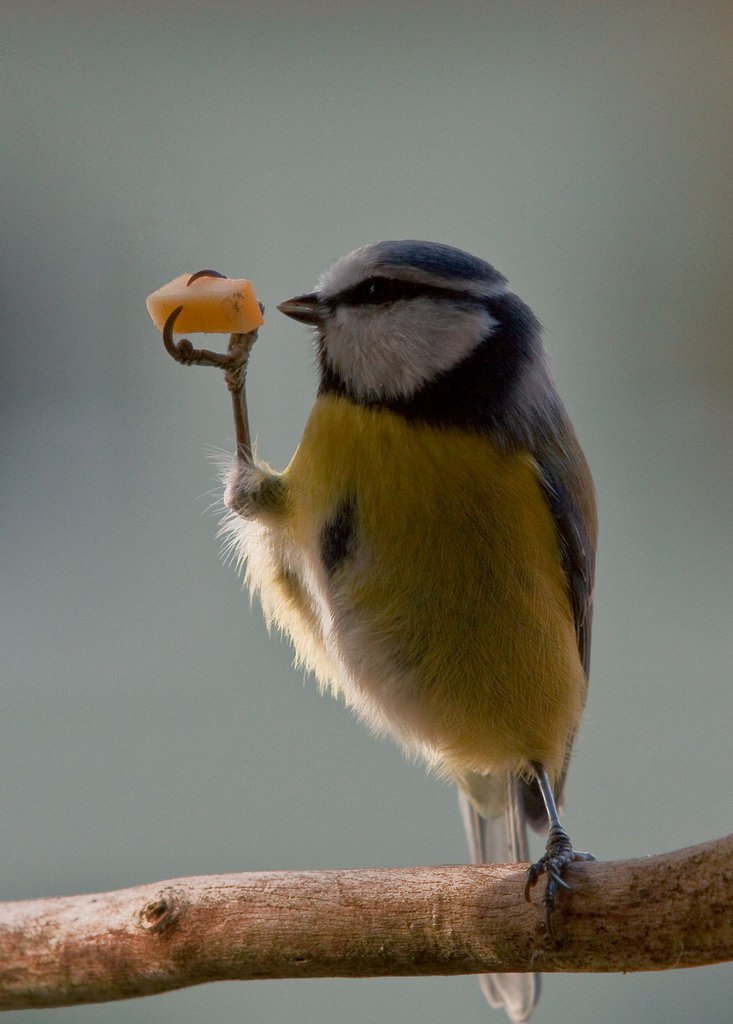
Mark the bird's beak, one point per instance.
(304, 308)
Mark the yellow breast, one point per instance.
(450, 622)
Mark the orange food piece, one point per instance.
(214, 305)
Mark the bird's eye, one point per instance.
(376, 290)
(379, 291)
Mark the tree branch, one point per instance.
(673, 910)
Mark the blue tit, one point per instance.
(430, 548)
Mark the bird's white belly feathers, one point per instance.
(331, 638)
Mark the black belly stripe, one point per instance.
(338, 537)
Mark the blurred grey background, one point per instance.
(150, 728)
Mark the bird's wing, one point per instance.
(568, 489)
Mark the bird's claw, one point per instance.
(559, 853)
(232, 361)
(184, 352)
(204, 273)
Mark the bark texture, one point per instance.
(668, 911)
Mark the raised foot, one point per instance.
(233, 362)
(558, 854)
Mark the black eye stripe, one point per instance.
(379, 291)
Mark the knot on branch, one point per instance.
(158, 915)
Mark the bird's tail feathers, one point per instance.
(495, 822)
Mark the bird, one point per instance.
(430, 548)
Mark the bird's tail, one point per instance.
(497, 833)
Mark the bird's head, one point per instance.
(428, 330)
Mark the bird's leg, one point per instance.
(251, 489)
(235, 375)
(558, 853)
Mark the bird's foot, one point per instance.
(559, 853)
(233, 362)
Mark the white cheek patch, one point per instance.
(393, 351)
